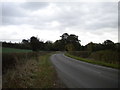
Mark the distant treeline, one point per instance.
(66, 43)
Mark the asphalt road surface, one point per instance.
(79, 74)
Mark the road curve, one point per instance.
(79, 74)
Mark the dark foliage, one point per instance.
(66, 43)
(83, 54)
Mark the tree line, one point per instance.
(66, 43)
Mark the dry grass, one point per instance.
(34, 73)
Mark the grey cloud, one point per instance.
(16, 13)
(119, 15)
(90, 16)
(99, 15)
(105, 15)
(11, 20)
(0, 13)
(34, 5)
(85, 18)
(12, 9)
(12, 14)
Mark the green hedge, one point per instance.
(106, 55)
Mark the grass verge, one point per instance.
(34, 73)
(93, 61)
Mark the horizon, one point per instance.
(91, 22)
(54, 41)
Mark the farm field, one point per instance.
(14, 50)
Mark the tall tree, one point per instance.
(24, 41)
(49, 45)
(73, 39)
(69, 42)
(25, 44)
(90, 46)
(34, 42)
(108, 44)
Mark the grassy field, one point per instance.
(13, 50)
(30, 70)
(103, 63)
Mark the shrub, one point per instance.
(83, 54)
(109, 56)
(106, 55)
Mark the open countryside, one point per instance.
(52, 63)
(66, 45)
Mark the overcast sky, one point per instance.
(95, 21)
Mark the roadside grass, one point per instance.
(103, 63)
(14, 50)
(46, 74)
(37, 72)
